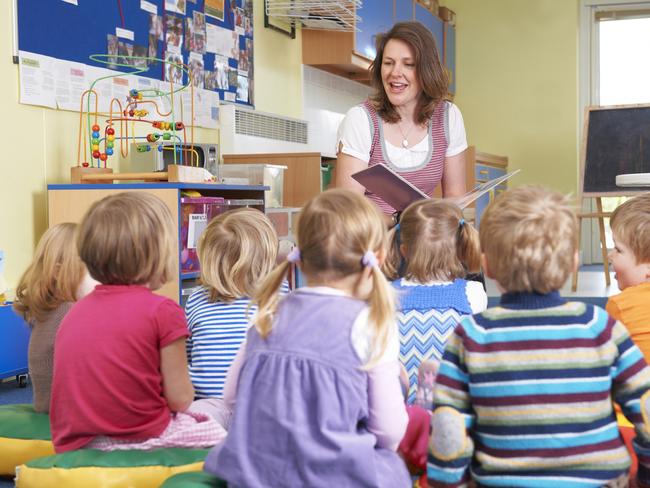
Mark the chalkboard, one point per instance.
(72, 30)
(617, 141)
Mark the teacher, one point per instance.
(407, 124)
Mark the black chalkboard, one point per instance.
(617, 142)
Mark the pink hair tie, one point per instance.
(294, 255)
(369, 259)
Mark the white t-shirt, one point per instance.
(355, 135)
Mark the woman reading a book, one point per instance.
(406, 124)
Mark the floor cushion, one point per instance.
(24, 435)
(194, 480)
(102, 469)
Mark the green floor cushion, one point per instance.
(103, 469)
(24, 435)
(194, 480)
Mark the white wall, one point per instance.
(326, 99)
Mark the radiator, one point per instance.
(246, 131)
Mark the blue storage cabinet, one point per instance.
(434, 24)
(450, 54)
(376, 17)
(14, 342)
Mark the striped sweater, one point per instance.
(217, 330)
(524, 397)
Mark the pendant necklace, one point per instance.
(405, 142)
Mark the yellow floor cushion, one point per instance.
(103, 469)
(194, 480)
(24, 435)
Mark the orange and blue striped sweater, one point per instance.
(524, 397)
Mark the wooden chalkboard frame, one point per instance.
(628, 191)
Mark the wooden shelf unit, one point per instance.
(69, 203)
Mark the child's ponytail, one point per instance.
(393, 261)
(468, 247)
(267, 298)
(381, 303)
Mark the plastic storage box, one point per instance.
(196, 212)
(271, 175)
(14, 342)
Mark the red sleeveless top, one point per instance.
(425, 176)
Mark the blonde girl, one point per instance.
(432, 248)
(120, 370)
(237, 251)
(45, 293)
(317, 381)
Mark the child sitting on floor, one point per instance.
(630, 258)
(524, 392)
(236, 251)
(435, 248)
(318, 398)
(120, 369)
(51, 284)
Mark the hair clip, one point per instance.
(369, 259)
(461, 222)
(294, 255)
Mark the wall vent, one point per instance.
(270, 126)
(247, 131)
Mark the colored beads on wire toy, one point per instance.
(85, 164)
(131, 112)
(109, 151)
(143, 148)
(95, 128)
(95, 153)
(110, 131)
(95, 134)
(110, 144)
(102, 156)
(94, 141)
(133, 92)
(153, 137)
(110, 138)
(95, 147)
(180, 126)
(167, 136)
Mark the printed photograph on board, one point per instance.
(174, 35)
(214, 9)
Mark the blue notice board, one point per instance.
(72, 30)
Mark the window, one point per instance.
(615, 70)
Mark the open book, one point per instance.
(399, 193)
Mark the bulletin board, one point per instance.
(214, 38)
(617, 141)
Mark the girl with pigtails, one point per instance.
(316, 384)
(432, 249)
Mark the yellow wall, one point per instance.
(517, 84)
(39, 145)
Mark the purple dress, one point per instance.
(302, 406)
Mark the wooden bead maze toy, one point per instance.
(100, 132)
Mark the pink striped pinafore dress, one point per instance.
(425, 176)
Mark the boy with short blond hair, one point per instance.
(524, 392)
(630, 258)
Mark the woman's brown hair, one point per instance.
(54, 275)
(432, 76)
